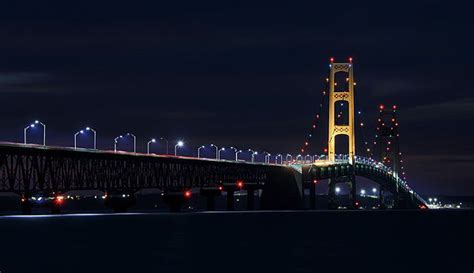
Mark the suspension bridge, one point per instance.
(30, 170)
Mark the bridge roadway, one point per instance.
(28, 169)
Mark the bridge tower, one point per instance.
(387, 147)
(386, 142)
(347, 129)
(335, 97)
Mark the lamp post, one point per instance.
(75, 138)
(82, 132)
(235, 151)
(95, 136)
(199, 150)
(217, 150)
(162, 138)
(300, 157)
(267, 157)
(148, 145)
(25, 130)
(253, 154)
(179, 144)
(290, 156)
(115, 142)
(219, 153)
(33, 125)
(134, 142)
(281, 159)
(237, 155)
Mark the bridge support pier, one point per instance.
(382, 198)
(210, 194)
(230, 199)
(353, 193)
(120, 201)
(25, 205)
(250, 199)
(174, 200)
(332, 204)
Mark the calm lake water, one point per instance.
(274, 241)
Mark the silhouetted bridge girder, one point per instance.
(31, 169)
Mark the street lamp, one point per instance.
(281, 159)
(148, 145)
(134, 142)
(253, 154)
(179, 144)
(217, 150)
(267, 157)
(362, 192)
(199, 150)
(338, 190)
(95, 136)
(82, 132)
(115, 142)
(235, 151)
(33, 125)
(75, 138)
(300, 157)
(306, 158)
(374, 190)
(219, 153)
(290, 156)
(162, 138)
(237, 155)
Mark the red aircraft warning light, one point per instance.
(221, 188)
(240, 184)
(350, 59)
(331, 60)
(381, 106)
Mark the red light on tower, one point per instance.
(331, 60)
(381, 106)
(187, 194)
(240, 184)
(394, 107)
(325, 150)
(350, 59)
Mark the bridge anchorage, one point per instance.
(39, 172)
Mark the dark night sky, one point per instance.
(245, 75)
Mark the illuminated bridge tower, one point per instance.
(335, 97)
(347, 129)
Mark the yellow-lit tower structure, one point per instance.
(347, 128)
(335, 97)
